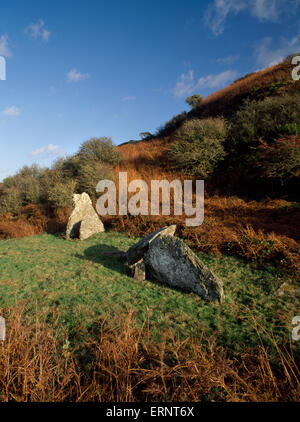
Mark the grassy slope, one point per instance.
(85, 287)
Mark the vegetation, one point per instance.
(77, 173)
(268, 119)
(194, 100)
(280, 160)
(146, 135)
(80, 329)
(199, 148)
(100, 150)
(61, 193)
(72, 299)
(120, 362)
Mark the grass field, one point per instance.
(71, 277)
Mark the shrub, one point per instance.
(49, 179)
(90, 173)
(268, 119)
(34, 171)
(29, 187)
(146, 135)
(61, 193)
(11, 201)
(280, 160)
(199, 146)
(290, 129)
(99, 149)
(194, 100)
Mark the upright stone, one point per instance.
(83, 221)
(136, 251)
(169, 260)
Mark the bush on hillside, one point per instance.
(199, 146)
(99, 149)
(29, 187)
(194, 100)
(90, 173)
(61, 193)
(280, 160)
(11, 201)
(49, 179)
(33, 171)
(269, 119)
(19, 190)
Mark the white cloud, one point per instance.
(74, 76)
(128, 98)
(11, 111)
(268, 56)
(4, 49)
(187, 84)
(218, 11)
(38, 30)
(48, 149)
(264, 10)
(228, 59)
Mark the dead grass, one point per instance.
(272, 80)
(121, 363)
(33, 219)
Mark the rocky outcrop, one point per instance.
(169, 260)
(83, 221)
(136, 251)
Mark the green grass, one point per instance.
(84, 287)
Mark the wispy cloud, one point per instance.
(38, 30)
(128, 98)
(264, 10)
(11, 111)
(187, 84)
(48, 149)
(4, 49)
(74, 76)
(268, 56)
(228, 59)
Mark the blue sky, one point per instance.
(77, 69)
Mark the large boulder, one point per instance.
(136, 251)
(169, 260)
(83, 221)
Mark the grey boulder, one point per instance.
(169, 260)
(83, 221)
(137, 251)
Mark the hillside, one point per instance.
(248, 216)
(271, 81)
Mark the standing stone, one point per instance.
(171, 261)
(83, 221)
(136, 251)
(2, 328)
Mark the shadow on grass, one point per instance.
(106, 255)
(114, 259)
